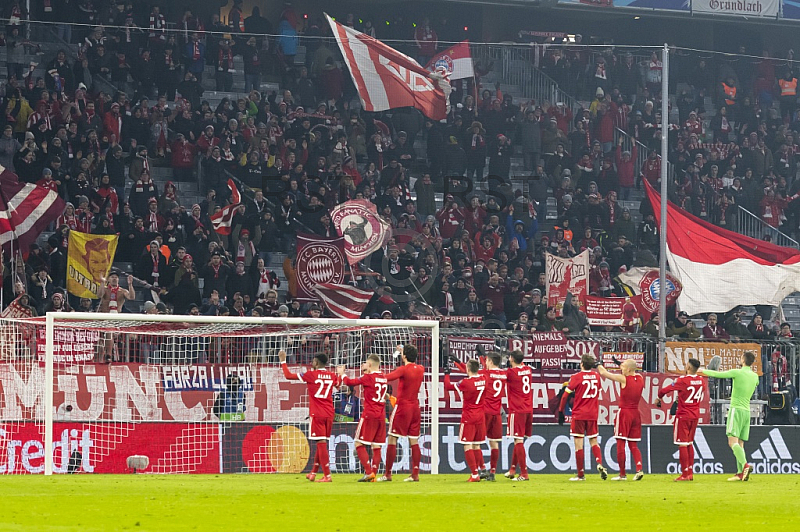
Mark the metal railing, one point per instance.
(642, 153)
(779, 358)
(751, 225)
(517, 67)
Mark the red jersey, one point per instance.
(472, 391)
(631, 394)
(320, 389)
(519, 389)
(410, 376)
(586, 402)
(373, 398)
(690, 390)
(496, 383)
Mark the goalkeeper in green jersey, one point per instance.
(737, 429)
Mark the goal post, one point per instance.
(138, 376)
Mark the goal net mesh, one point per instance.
(162, 396)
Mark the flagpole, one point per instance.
(662, 257)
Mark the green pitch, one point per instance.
(289, 502)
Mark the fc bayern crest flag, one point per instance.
(364, 231)
(456, 61)
(320, 260)
(387, 79)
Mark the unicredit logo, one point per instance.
(28, 456)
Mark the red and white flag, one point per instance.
(343, 300)
(720, 269)
(387, 79)
(567, 276)
(223, 219)
(456, 62)
(25, 211)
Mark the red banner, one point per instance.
(605, 310)
(464, 348)
(551, 349)
(105, 447)
(567, 276)
(70, 346)
(319, 261)
(454, 319)
(608, 359)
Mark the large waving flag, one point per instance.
(364, 231)
(456, 61)
(223, 219)
(720, 269)
(89, 259)
(343, 300)
(25, 211)
(387, 79)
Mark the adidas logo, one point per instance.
(773, 456)
(704, 457)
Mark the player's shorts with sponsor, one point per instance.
(683, 430)
(520, 424)
(472, 432)
(628, 425)
(404, 421)
(738, 424)
(494, 426)
(583, 427)
(320, 428)
(371, 431)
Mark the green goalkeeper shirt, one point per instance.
(745, 381)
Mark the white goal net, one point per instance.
(189, 394)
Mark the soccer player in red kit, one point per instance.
(320, 383)
(371, 429)
(472, 432)
(585, 408)
(691, 388)
(628, 423)
(520, 412)
(492, 405)
(405, 418)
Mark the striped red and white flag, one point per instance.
(343, 300)
(25, 211)
(720, 269)
(222, 221)
(387, 79)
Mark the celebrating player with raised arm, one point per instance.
(520, 412)
(472, 432)
(320, 383)
(585, 408)
(737, 428)
(492, 406)
(628, 424)
(371, 428)
(405, 419)
(690, 389)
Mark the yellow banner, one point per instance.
(89, 257)
(677, 354)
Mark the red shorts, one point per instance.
(520, 424)
(371, 431)
(320, 428)
(683, 430)
(404, 421)
(628, 425)
(494, 426)
(581, 427)
(472, 433)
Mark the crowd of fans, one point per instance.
(299, 151)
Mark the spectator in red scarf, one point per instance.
(112, 123)
(714, 331)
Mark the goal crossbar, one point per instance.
(64, 319)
